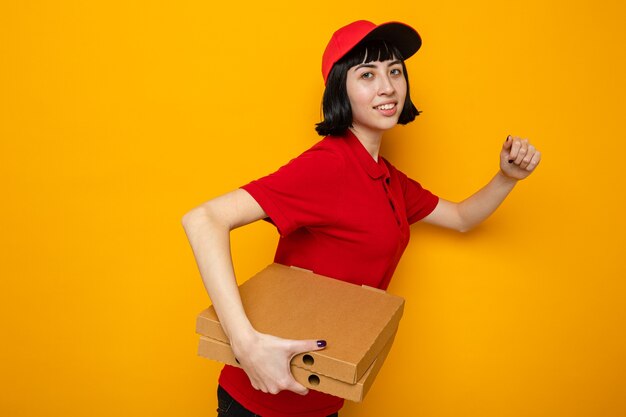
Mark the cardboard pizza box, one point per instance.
(356, 321)
(216, 350)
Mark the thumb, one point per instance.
(300, 346)
(507, 143)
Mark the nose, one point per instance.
(386, 86)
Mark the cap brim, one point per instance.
(404, 37)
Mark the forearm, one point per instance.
(210, 242)
(263, 357)
(480, 205)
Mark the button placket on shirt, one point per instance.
(386, 182)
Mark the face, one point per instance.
(377, 91)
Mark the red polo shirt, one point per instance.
(340, 214)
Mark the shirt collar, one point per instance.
(376, 170)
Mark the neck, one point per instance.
(370, 140)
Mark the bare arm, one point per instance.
(265, 358)
(518, 159)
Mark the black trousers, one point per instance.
(228, 407)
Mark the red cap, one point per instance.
(404, 37)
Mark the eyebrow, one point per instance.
(397, 61)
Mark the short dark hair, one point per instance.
(336, 104)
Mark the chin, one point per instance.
(390, 124)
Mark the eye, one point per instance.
(396, 71)
(367, 75)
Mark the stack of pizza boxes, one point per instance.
(359, 324)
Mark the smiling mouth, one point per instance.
(388, 106)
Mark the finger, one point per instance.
(300, 346)
(534, 161)
(515, 147)
(256, 382)
(507, 143)
(255, 385)
(260, 386)
(288, 382)
(523, 150)
(506, 147)
(528, 157)
(298, 388)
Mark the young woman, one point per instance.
(341, 210)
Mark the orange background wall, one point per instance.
(117, 117)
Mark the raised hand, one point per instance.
(518, 158)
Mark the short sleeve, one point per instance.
(419, 202)
(303, 193)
